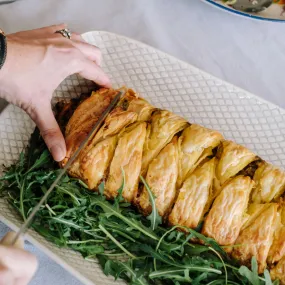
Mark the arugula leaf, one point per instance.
(154, 217)
(267, 277)
(171, 273)
(252, 276)
(41, 161)
(160, 256)
(119, 197)
(101, 188)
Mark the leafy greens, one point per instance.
(127, 244)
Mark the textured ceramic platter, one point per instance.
(275, 12)
(167, 83)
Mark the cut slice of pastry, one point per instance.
(164, 125)
(130, 109)
(161, 178)
(128, 157)
(119, 118)
(270, 183)
(226, 217)
(278, 272)
(84, 118)
(256, 237)
(194, 197)
(90, 109)
(195, 144)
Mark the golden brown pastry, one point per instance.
(94, 166)
(194, 197)
(161, 178)
(232, 159)
(224, 221)
(176, 159)
(270, 183)
(128, 110)
(164, 125)
(277, 249)
(128, 156)
(84, 118)
(256, 237)
(138, 105)
(195, 144)
(278, 272)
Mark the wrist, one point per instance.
(3, 48)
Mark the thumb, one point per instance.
(50, 131)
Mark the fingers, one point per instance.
(9, 273)
(49, 29)
(50, 131)
(55, 28)
(40, 33)
(6, 276)
(77, 37)
(91, 52)
(19, 263)
(91, 71)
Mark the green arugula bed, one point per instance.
(129, 246)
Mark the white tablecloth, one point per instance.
(247, 53)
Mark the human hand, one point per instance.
(37, 62)
(17, 266)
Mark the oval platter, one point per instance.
(167, 83)
(275, 12)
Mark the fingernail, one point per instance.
(57, 152)
(108, 83)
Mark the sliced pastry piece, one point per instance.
(164, 125)
(194, 196)
(119, 118)
(161, 178)
(270, 183)
(232, 159)
(95, 164)
(278, 272)
(129, 110)
(84, 118)
(226, 217)
(90, 109)
(256, 236)
(195, 144)
(127, 158)
(277, 249)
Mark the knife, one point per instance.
(94, 130)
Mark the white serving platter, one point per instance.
(167, 83)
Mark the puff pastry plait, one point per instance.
(196, 175)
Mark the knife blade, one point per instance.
(94, 130)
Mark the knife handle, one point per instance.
(9, 238)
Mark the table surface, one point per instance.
(247, 53)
